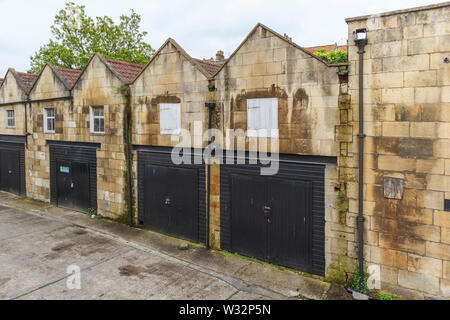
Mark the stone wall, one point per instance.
(407, 149)
(268, 66)
(169, 78)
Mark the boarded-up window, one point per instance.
(169, 118)
(262, 118)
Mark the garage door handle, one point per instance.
(267, 210)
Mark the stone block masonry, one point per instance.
(407, 124)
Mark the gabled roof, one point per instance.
(26, 80)
(288, 40)
(127, 70)
(23, 79)
(204, 66)
(69, 75)
(328, 48)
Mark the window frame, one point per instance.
(271, 118)
(8, 118)
(93, 117)
(177, 122)
(47, 117)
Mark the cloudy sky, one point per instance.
(201, 27)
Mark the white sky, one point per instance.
(201, 27)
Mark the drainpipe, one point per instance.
(210, 106)
(26, 121)
(360, 37)
(127, 137)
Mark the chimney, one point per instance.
(219, 56)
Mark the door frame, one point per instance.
(162, 156)
(304, 168)
(16, 143)
(76, 152)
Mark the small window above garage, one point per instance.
(262, 118)
(170, 118)
(97, 118)
(10, 119)
(49, 120)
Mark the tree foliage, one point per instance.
(336, 56)
(77, 37)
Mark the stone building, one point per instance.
(407, 149)
(272, 103)
(76, 149)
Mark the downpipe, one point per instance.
(210, 107)
(128, 138)
(361, 42)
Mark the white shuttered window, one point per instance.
(169, 118)
(262, 118)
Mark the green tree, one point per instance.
(77, 37)
(336, 56)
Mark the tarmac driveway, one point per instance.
(43, 247)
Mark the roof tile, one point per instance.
(27, 79)
(127, 70)
(70, 75)
(209, 66)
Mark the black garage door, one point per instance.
(278, 219)
(73, 175)
(171, 197)
(12, 164)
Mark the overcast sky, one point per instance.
(201, 27)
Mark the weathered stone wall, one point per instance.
(98, 86)
(169, 78)
(10, 91)
(267, 66)
(407, 114)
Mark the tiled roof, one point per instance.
(27, 79)
(70, 75)
(127, 70)
(209, 66)
(328, 48)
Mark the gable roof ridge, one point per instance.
(107, 65)
(183, 53)
(54, 71)
(26, 87)
(259, 24)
